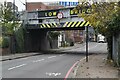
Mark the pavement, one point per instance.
(17, 56)
(23, 55)
(97, 67)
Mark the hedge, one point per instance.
(4, 42)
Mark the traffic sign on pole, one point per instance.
(60, 15)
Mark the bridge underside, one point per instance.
(36, 38)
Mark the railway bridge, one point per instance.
(38, 23)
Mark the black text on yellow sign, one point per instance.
(75, 12)
(49, 14)
(54, 13)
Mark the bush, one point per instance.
(65, 44)
(1, 41)
(19, 35)
(54, 34)
(62, 43)
(4, 42)
(71, 43)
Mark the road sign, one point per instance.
(60, 15)
(48, 13)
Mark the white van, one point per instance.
(101, 39)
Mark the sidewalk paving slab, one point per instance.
(97, 67)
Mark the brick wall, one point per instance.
(32, 6)
(74, 35)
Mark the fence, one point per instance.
(119, 50)
(116, 49)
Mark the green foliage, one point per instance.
(105, 18)
(114, 24)
(54, 34)
(100, 16)
(8, 22)
(4, 42)
(20, 39)
(1, 39)
(65, 44)
(7, 13)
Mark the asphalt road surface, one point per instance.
(48, 65)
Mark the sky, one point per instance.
(22, 7)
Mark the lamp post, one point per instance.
(26, 4)
(13, 47)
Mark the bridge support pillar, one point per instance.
(36, 40)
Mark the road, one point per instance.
(49, 65)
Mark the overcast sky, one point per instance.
(22, 7)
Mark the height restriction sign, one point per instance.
(60, 15)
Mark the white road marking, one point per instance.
(39, 60)
(17, 66)
(51, 56)
(53, 74)
(62, 54)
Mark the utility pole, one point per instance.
(13, 37)
(26, 5)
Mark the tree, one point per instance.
(100, 14)
(114, 29)
(104, 17)
(9, 24)
(53, 38)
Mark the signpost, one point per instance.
(60, 16)
(86, 43)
